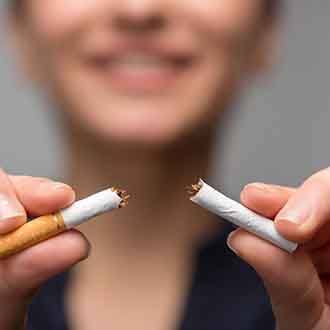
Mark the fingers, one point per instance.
(27, 270)
(41, 196)
(36, 196)
(266, 199)
(293, 280)
(307, 210)
(21, 274)
(290, 279)
(12, 213)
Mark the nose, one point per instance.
(140, 15)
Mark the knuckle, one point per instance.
(2, 170)
(3, 176)
(35, 183)
(25, 182)
(321, 179)
(38, 180)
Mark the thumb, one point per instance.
(290, 279)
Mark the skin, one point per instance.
(299, 283)
(66, 47)
(140, 135)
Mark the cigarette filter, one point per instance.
(47, 226)
(239, 215)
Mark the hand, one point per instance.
(298, 284)
(23, 273)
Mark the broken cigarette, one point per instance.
(217, 203)
(47, 226)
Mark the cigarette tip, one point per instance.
(193, 189)
(124, 195)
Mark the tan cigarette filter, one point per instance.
(47, 226)
(31, 233)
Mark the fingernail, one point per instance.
(88, 252)
(262, 186)
(229, 241)
(297, 214)
(9, 208)
(59, 185)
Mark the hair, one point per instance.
(273, 7)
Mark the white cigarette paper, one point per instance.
(241, 216)
(47, 226)
(90, 207)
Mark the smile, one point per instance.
(141, 69)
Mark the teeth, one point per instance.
(140, 60)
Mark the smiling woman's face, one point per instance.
(143, 71)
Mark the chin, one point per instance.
(137, 129)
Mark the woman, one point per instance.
(141, 86)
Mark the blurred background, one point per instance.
(278, 133)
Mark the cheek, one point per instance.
(53, 20)
(223, 16)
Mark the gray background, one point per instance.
(280, 132)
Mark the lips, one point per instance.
(141, 69)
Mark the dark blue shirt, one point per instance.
(226, 294)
